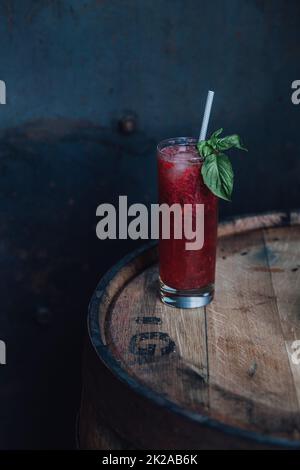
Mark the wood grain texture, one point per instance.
(153, 342)
(221, 376)
(251, 384)
(283, 250)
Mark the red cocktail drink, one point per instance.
(186, 276)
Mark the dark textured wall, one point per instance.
(72, 70)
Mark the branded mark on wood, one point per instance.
(148, 320)
(150, 346)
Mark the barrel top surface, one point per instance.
(233, 364)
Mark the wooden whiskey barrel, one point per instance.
(225, 376)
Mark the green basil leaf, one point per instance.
(218, 175)
(231, 141)
(216, 134)
(205, 148)
(214, 139)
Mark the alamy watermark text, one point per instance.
(177, 221)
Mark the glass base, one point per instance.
(193, 298)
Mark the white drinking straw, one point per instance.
(206, 116)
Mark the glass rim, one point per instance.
(172, 141)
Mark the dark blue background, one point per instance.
(73, 69)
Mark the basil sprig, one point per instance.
(216, 169)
